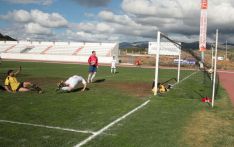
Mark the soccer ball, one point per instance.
(210, 71)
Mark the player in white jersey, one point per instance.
(113, 65)
(72, 83)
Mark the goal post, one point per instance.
(215, 68)
(157, 64)
(168, 48)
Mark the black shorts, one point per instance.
(20, 86)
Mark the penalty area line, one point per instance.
(110, 125)
(45, 126)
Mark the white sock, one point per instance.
(89, 76)
(111, 70)
(114, 70)
(93, 76)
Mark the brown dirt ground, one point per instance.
(140, 90)
(44, 80)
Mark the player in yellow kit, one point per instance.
(13, 85)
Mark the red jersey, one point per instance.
(93, 60)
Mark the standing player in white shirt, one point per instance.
(72, 83)
(113, 65)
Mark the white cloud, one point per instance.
(34, 28)
(114, 30)
(35, 22)
(53, 20)
(178, 18)
(120, 19)
(181, 17)
(103, 27)
(138, 19)
(165, 8)
(88, 37)
(18, 16)
(87, 27)
(221, 14)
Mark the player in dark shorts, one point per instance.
(12, 85)
(93, 65)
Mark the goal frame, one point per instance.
(159, 34)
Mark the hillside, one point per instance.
(192, 45)
(6, 38)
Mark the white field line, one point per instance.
(110, 125)
(121, 118)
(94, 134)
(44, 126)
(186, 78)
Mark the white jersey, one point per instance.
(113, 63)
(73, 82)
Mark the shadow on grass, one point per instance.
(2, 88)
(73, 91)
(99, 81)
(79, 89)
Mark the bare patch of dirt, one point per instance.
(44, 80)
(140, 90)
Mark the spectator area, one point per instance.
(57, 51)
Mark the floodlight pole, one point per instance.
(157, 64)
(215, 67)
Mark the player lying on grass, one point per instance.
(161, 87)
(164, 86)
(12, 85)
(71, 84)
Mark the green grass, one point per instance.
(163, 122)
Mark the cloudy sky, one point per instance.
(113, 20)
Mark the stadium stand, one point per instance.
(5, 46)
(17, 49)
(39, 47)
(57, 51)
(102, 49)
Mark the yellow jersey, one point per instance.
(12, 83)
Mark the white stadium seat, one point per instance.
(67, 51)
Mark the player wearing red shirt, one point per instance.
(93, 65)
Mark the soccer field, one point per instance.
(67, 119)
